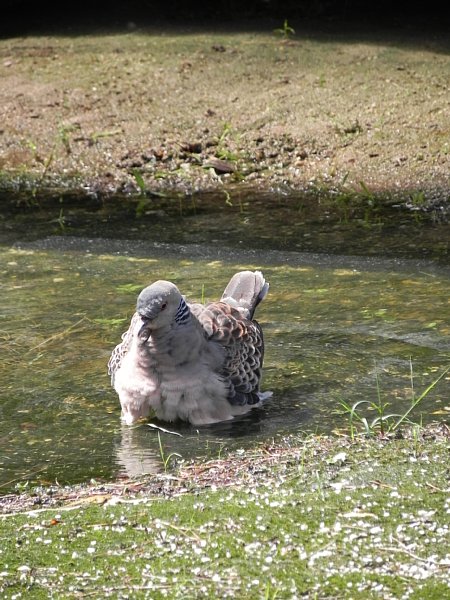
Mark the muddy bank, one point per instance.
(146, 110)
(234, 469)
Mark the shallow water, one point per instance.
(275, 221)
(333, 326)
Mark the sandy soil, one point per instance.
(197, 110)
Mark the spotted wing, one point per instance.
(242, 340)
(121, 349)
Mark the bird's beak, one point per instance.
(145, 330)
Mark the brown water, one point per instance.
(334, 326)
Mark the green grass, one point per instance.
(385, 423)
(286, 31)
(312, 517)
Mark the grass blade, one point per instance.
(432, 385)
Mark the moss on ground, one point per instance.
(312, 517)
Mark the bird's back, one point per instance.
(230, 324)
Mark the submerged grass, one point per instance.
(309, 517)
(384, 423)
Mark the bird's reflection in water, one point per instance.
(136, 454)
(142, 450)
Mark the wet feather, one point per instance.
(201, 364)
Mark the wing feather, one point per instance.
(121, 349)
(243, 342)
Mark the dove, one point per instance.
(188, 361)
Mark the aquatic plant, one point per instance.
(228, 201)
(129, 288)
(139, 180)
(384, 424)
(418, 199)
(60, 220)
(143, 200)
(166, 459)
(352, 201)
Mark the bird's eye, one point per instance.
(163, 306)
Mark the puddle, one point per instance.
(333, 325)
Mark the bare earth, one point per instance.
(194, 110)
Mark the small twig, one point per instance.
(187, 533)
(401, 548)
(382, 485)
(118, 588)
(153, 426)
(36, 511)
(435, 489)
(7, 483)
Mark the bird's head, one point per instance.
(157, 305)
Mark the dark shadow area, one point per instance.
(303, 224)
(26, 17)
(398, 24)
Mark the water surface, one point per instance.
(333, 326)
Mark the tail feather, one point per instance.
(246, 290)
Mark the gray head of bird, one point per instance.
(157, 305)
